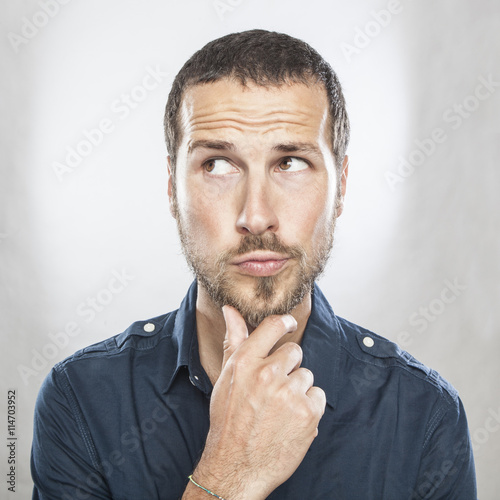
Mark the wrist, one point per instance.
(225, 483)
(206, 490)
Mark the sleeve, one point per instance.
(64, 463)
(447, 466)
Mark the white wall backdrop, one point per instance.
(83, 182)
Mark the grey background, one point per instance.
(396, 249)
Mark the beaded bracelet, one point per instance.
(204, 489)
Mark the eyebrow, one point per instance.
(289, 147)
(220, 145)
(297, 147)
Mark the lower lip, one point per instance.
(262, 267)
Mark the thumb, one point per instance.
(236, 332)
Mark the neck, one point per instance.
(211, 330)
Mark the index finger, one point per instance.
(265, 336)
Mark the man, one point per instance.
(254, 388)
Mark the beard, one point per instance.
(268, 295)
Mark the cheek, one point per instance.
(198, 191)
(206, 214)
(310, 211)
(312, 222)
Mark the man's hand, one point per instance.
(264, 411)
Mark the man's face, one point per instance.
(255, 193)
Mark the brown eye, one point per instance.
(219, 167)
(292, 164)
(286, 163)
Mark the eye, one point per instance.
(219, 166)
(292, 164)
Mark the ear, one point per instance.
(170, 188)
(343, 185)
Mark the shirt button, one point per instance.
(368, 341)
(149, 327)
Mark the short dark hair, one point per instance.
(265, 58)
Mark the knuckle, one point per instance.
(293, 349)
(238, 363)
(308, 374)
(318, 400)
(322, 393)
(306, 413)
(267, 374)
(305, 371)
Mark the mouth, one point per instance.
(261, 263)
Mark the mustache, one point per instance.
(253, 242)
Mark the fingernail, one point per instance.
(290, 322)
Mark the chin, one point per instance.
(269, 297)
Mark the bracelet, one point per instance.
(204, 489)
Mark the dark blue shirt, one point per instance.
(127, 418)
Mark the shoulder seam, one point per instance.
(110, 353)
(398, 363)
(433, 423)
(80, 421)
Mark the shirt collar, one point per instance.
(320, 344)
(185, 326)
(184, 332)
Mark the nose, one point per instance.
(257, 213)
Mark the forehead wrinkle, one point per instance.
(245, 119)
(206, 113)
(225, 124)
(197, 104)
(240, 120)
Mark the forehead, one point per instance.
(227, 107)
